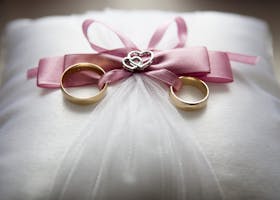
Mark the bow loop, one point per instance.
(128, 44)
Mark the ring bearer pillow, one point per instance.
(134, 144)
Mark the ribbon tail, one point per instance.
(246, 59)
(32, 73)
(221, 70)
(113, 76)
(166, 77)
(48, 72)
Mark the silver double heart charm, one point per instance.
(138, 60)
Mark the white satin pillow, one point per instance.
(135, 144)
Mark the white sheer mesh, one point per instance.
(136, 146)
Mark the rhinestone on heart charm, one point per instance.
(138, 60)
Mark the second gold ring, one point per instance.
(190, 105)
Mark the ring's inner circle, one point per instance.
(190, 93)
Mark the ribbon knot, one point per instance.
(163, 65)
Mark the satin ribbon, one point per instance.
(167, 66)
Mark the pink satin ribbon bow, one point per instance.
(167, 65)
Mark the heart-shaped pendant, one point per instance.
(138, 60)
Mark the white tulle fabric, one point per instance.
(134, 144)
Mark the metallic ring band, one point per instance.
(77, 68)
(190, 105)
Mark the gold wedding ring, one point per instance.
(78, 68)
(190, 105)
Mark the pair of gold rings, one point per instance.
(175, 99)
